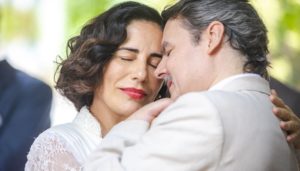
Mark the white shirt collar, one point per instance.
(224, 82)
(87, 121)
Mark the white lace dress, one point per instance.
(65, 147)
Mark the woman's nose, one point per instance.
(140, 71)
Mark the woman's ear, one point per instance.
(215, 35)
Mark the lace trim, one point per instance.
(50, 152)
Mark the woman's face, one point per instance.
(129, 81)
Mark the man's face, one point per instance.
(184, 61)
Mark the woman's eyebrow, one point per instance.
(154, 54)
(129, 49)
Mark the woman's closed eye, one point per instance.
(126, 58)
(154, 61)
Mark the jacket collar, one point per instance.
(250, 82)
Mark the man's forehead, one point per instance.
(171, 31)
(168, 34)
(172, 28)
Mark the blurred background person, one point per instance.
(25, 104)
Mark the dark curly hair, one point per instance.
(243, 26)
(89, 52)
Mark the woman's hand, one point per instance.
(290, 123)
(151, 110)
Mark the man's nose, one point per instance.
(161, 70)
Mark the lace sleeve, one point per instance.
(49, 152)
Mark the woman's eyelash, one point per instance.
(126, 58)
(153, 66)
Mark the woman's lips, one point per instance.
(134, 93)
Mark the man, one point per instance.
(25, 104)
(215, 61)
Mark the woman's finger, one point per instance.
(278, 102)
(290, 126)
(282, 113)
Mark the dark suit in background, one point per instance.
(290, 96)
(25, 104)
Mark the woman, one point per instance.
(109, 74)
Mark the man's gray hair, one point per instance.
(245, 30)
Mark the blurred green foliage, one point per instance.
(80, 11)
(287, 33)
(16, 23)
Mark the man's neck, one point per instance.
(227, 64)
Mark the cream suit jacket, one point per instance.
(231, 127)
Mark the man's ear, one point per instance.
(215, 35)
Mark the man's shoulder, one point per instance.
(219, 102)
(190, 107)
(204, 96)
(193, 98)
(201, 100)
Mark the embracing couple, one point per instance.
(211, 55)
